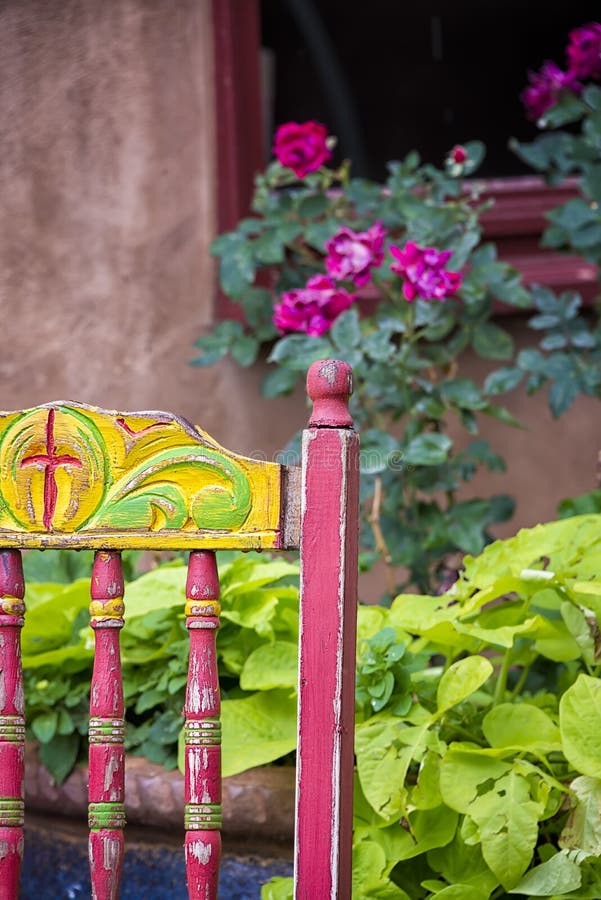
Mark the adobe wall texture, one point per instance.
(108, 188)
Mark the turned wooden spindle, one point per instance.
(202, 730)
(12, 723)
(106, 789)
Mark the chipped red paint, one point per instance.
(328, 542)
(50, 462)
(329, 547)
(106, 789)
(12, 723)
(202, 730)
(132, 432)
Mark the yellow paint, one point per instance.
(12, 606)
(112, 608)
(76, 476)
(203, 608)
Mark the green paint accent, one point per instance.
(205, 732)
(12, 729)
(12, 812)
(213, 507)
(106, 815)
(202, 816)
(106, 731)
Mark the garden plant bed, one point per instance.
(258, 805)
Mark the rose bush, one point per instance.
(341, 256)
(394, 278)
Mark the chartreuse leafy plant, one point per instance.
(256, 653)
(487, 784)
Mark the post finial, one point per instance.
(329, 385)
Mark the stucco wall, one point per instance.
(107, 184)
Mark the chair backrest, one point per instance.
(73, 476)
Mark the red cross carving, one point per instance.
(50, 463)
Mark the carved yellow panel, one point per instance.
(72, 475)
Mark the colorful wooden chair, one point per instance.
(73, 476)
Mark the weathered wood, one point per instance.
(76, 476)
(106, 789)
(12, 723)
(202, 730)
(328, 612)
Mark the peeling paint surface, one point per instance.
(201, 851)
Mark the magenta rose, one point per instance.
(458, 155)
(312, 309)
(545, 87)
(301, 147)
(353, 254)
(423, 272)
(584, 51)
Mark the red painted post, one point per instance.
(12, 723)
(202, 730)
(328, 617)
(106, 789)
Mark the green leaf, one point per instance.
(279, 381)
(44, 726)
(460, 892)
(580, 724)
(562, 394)
(463, 393)
(521, 725)
(272, 665)
(244, 350)
(463, 770)
(257, 730)
(161, 588)
(60, 755)
(492, 342)
(558, 875)
(508, 823)
(502, 380)
(377, 448)
(268, 247)
(369, 879)
(345, 331)
(461, 680)
(312, 206)
(298, 351)
(582, 831)
(463, 866)
(431, 828)
(237, 267)
(278, 889)
(430, 449)
(383, 760)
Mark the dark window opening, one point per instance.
(388, 76)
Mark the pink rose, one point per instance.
(312, 309)
(584, 51)
(352, 254)
(423, 271)
(301, 147)
(545, 87)
(458, 155)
